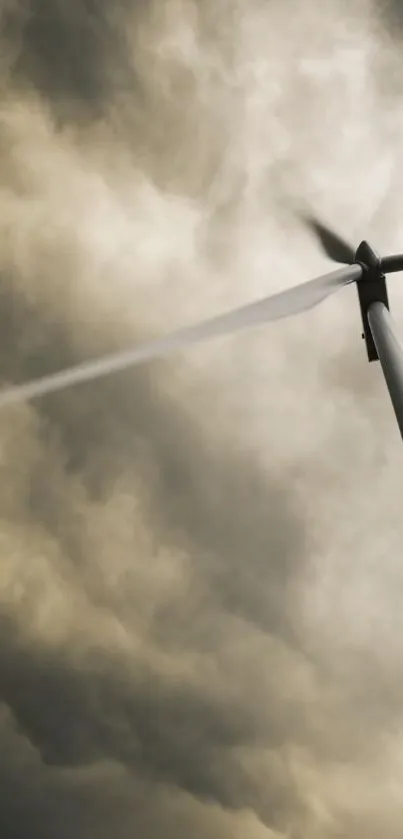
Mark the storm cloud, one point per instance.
(200, 576)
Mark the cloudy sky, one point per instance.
(201, 577)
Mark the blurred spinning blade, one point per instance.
(281, 305)
(334, 246)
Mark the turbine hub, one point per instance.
(366, 256)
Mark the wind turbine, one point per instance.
(363, 266)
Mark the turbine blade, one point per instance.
(334, 246)
(281, 305)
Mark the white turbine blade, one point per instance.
(286, 303)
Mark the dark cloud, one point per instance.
(171, 732)
(188, 571)
(393, 10)
(65, 50)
